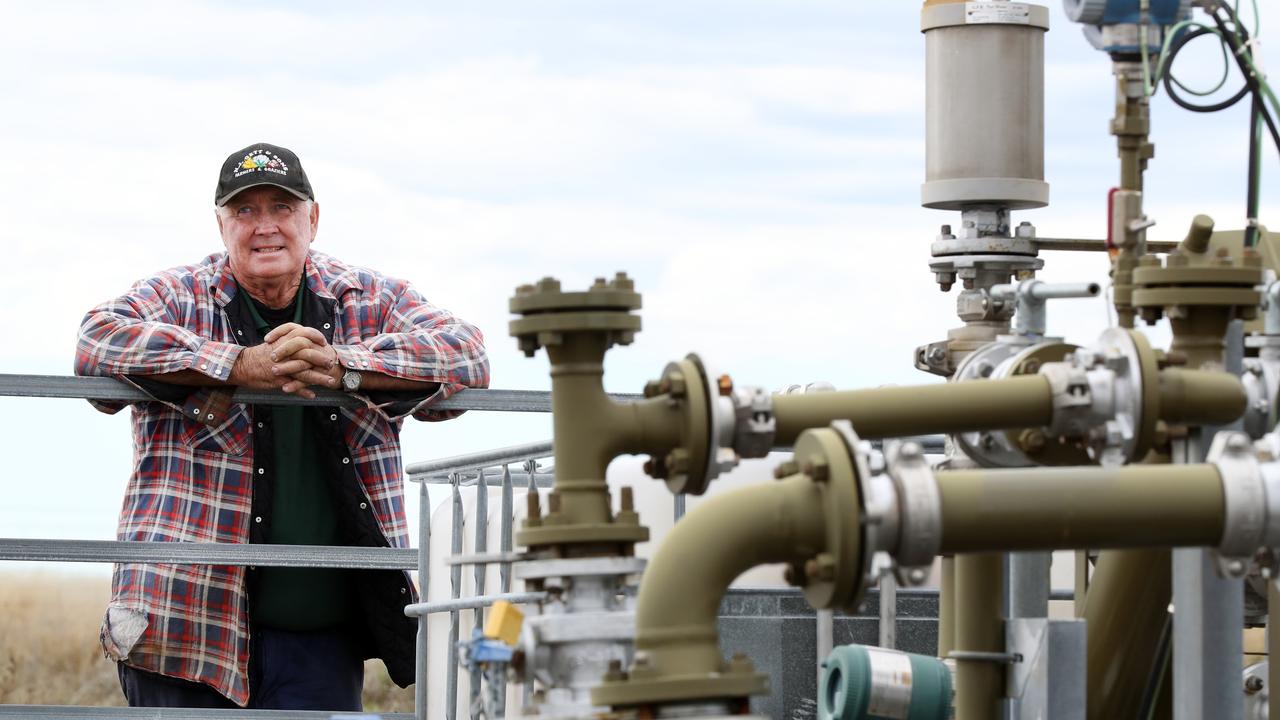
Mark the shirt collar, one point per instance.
(223, 284)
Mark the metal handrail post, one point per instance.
(455, 577)
(424, 580)
(481, 546)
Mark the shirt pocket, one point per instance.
(364, 427)
(231, 436)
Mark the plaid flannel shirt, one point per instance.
(193, 469)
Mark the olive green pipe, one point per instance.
(947, 607)
(979, 628)
(1125, 613)
(681, 590)
(1023, 401)
(591, 429)
(1068, 508)
(1201, 397)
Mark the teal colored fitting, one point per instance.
(871, 683)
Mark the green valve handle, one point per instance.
(871, 683)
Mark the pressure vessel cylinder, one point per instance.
(871, 683)
(984, 104)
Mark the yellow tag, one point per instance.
(504, 623)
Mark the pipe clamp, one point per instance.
(919, 512)
(1246, 512)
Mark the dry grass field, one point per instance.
(49, 653)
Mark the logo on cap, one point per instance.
(261, 161)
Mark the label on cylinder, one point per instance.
(890, 684)
(1005, 13)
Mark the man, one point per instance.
(268, 313)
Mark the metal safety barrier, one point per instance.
(505, 468)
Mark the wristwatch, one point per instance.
(351, 380)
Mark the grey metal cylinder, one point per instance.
(984, 105)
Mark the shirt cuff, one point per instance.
(355, 357)
(216, 358)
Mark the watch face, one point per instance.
(351, 381)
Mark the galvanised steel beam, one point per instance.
(72, 712)
(105, 388)
(184, 553)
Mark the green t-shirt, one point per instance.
(303, 511)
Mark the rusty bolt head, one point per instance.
(600, 284)
(525, 290)
(1032, 441)
(548, 284)
(821, 568)
(1252, 258)
(652, 388)
(528, 346)
(622, 282)
(724, 384)
(817, 470)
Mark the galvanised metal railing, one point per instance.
(459, 471)
(490, 468)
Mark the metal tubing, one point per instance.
(508, 519)
(479, 460)
(979, 628)
(888, 612)
(1200, 397)
(455, 579)
(183, 553)
(1090, 245)
(1024, 401)
(947, 607)
(591, 429)
(715, 543)
(1028, 591)
(109, 388)
(1122, 630)
(471, 603)
(420, 697)
(1066, 508)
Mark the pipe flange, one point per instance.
(1261, 380)
(1107, 397)
(832, 458)
(719, 456)
(688, 468)
(549, 312)
(919, 512)
(1244, 526)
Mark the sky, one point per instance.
(754, 166)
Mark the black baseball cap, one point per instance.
(262, 164)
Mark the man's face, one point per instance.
(267, 232)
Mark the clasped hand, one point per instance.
(292, 358)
